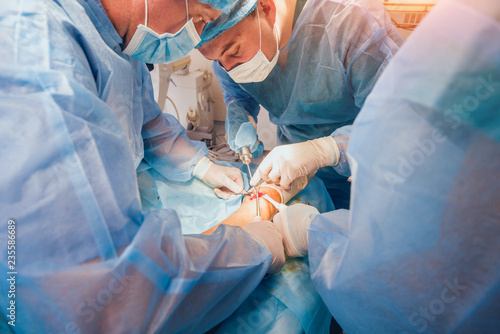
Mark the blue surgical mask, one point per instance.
(151, 47)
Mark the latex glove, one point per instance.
(268, 235)
(293, 223)
(226, 181)
(287, 162)
(247, 136)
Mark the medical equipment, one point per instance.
(406, 15)
(246, 156)
(252, 190)
(190, 98)
(257, 201)
(277, 205)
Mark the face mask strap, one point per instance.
(275, 33)
(187, 11)
(260, 31)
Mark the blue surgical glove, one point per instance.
(247, 136)
(258, 151)
(244, 134)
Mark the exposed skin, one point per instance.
(240, 43)
(247, 211)
(163, 16)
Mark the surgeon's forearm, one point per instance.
(247, 211)
(342, 136)
(168, 149)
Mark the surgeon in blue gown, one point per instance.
(311, 65)
(418, 251)
(77, 116)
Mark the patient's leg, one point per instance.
(247, 211)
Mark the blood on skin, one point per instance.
(253, 196)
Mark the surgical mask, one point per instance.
(151, 47)
(258, 68)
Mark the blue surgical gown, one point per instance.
(336, 53)
(419, 252)
(76, 118)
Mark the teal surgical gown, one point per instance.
(336, 54)
(77, 116)
(419, 251)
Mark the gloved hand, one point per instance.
(293, 223)
(288, 162)
(226, 181)
(296, 187)
(267, 235)
(246, 135)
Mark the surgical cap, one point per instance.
(217, 4)
(231, 14)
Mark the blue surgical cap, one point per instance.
(232, 13)
(218, 4)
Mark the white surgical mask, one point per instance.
(151, 47)
(258, 68)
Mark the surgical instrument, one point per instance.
(245, 156)
(252, 190)
(277, 205)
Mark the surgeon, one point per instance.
(77, 116)
(418, 251)
(311, 65)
